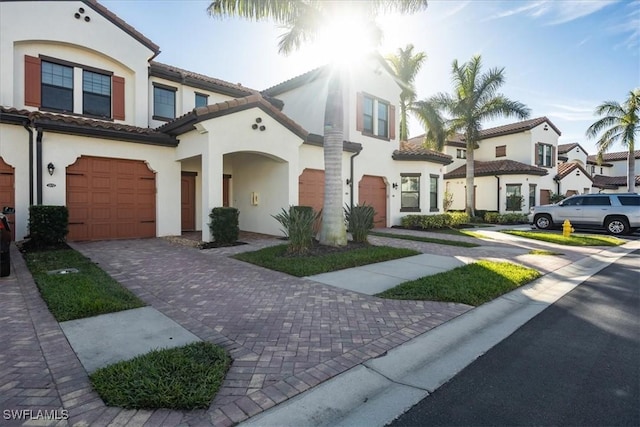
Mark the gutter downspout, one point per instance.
(28, 129)
(351, 178)
(498, 192)
(39, 167)
(557, 185)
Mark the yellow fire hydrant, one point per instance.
(567, 229)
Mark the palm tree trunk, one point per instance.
(631, 169)
(404, 135)
(469, 182)
(333, 231)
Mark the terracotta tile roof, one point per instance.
(409, 151)
(190, 78)
(565, 169)
(497, 167)
(122, 25)
(185, 122)
(612, 182)
(83, 126)
(457, 140)
(613, 157)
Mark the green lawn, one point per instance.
(426, 239)
(472, 284)
(87, 293)
(572, 240)
(275, 258)
(179, 378)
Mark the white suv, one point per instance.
(617, 213)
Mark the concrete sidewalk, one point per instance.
(379, 390)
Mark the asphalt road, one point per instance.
(575, 364)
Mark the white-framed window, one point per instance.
(164, 102)
(461, 153)
(433, 193)
(375, 117)
(514, 197)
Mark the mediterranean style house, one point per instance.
(137, 148)
(525, 159)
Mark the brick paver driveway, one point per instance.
(285, 334)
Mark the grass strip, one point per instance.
(472, 284)
(424, 239)
(275, 258)
(572, 240)
(543, 252)
(70, 296)
(177, 378)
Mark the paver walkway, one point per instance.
(285, 334)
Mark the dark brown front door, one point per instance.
(225, 190)
(372, 191)
(188, 191)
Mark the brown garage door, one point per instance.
(7, 191)
(372, 190)
(311, 189)
(110, 199)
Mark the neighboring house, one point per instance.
(611, 175)
(573, 176)
(516, 159)
(137, 148)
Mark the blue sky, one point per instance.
(561, 57)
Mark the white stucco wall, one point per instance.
(14, 149)
(50, 28)
(576, 181)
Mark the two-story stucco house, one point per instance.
(611, 174)
(136, 148)
(514, 159)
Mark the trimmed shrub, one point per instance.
(299, 225)
(224, 225)
(359, 221)
(509, 218)
(48, 225)
(448, 219)
(492, 217)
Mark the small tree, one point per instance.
(514, 202)
(447, 201)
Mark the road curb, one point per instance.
(380, 390)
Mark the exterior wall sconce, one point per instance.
(51, 168)
(395, 185)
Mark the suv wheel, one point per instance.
(543, 222)
(617, 225)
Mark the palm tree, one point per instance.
(406, 65)
(475, 99)
(620, 123)
(303, 20)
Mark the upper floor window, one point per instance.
(57, 87)
(593, 170)
(164, 102)
(501, 151)
(544, 155)
(410, 192)
(201, 100)
(54, 84)
(383, 119)
(96, 94)
(375, 117)
(461, 153)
